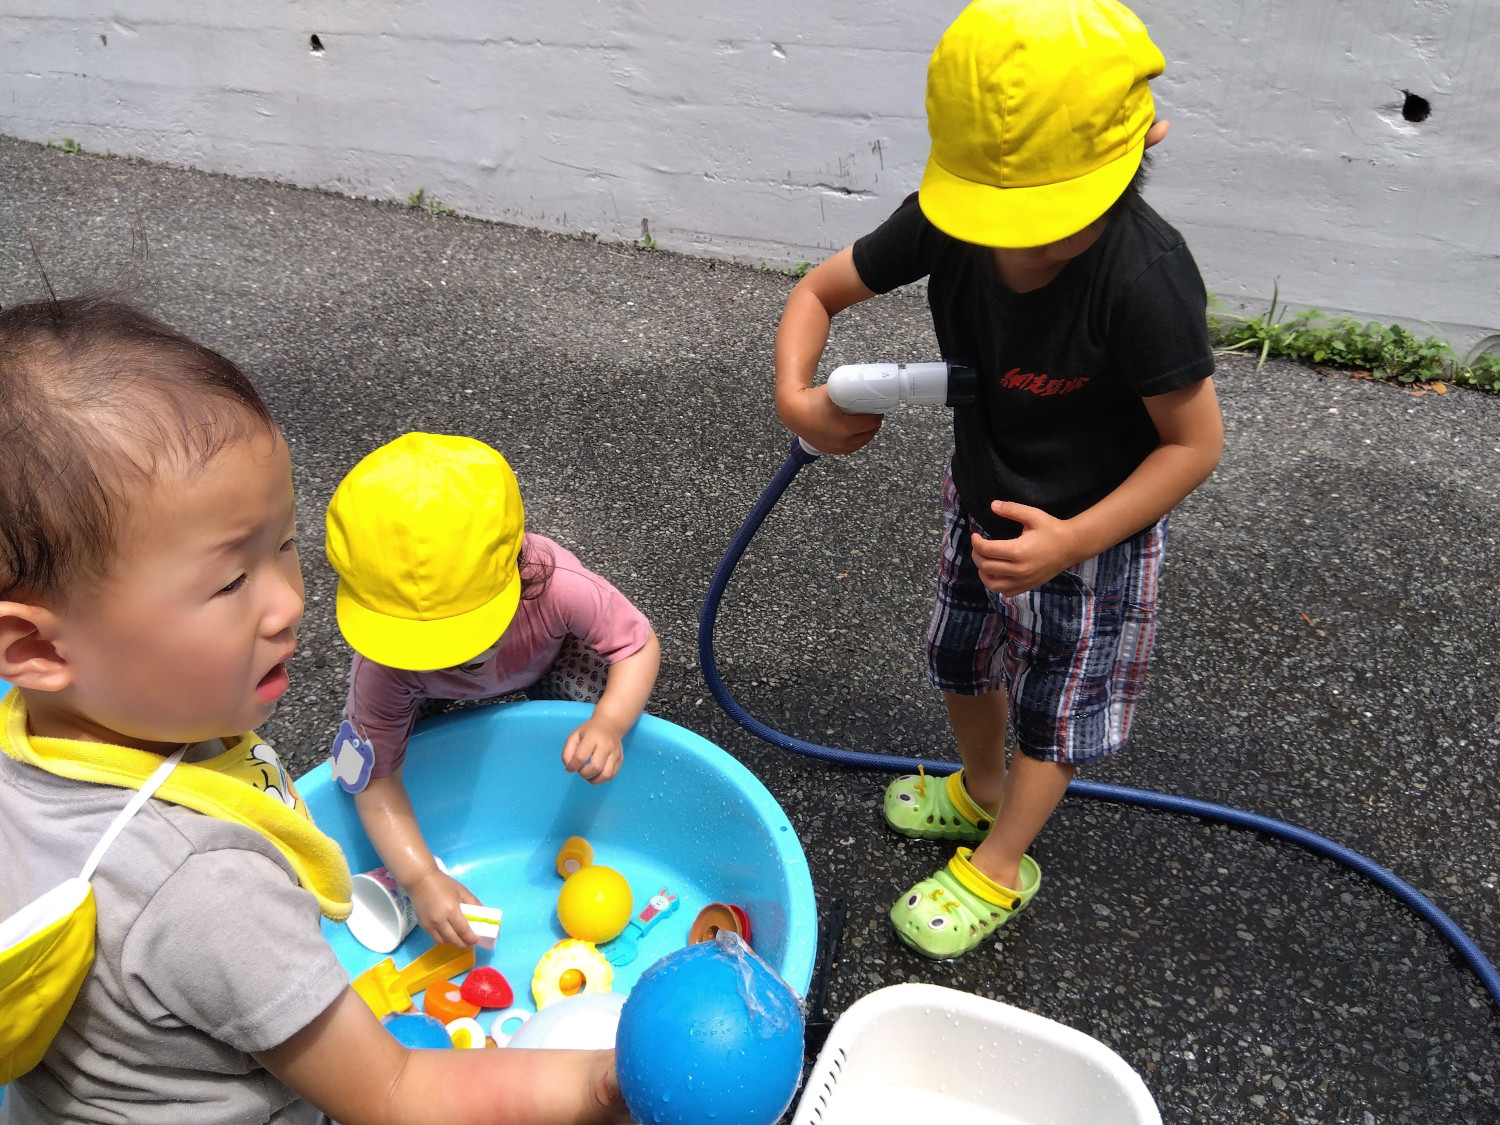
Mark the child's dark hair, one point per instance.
(536, 573)
(1133, 188)
(94, 395)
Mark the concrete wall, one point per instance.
(776, 131)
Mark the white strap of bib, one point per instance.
(142, 795)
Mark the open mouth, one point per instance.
(273, 684)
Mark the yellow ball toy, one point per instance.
(594, 904)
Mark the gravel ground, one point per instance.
(1325, 655)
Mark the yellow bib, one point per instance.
(244, 785)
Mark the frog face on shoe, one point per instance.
(942, 918)
(934, 922)
(920, 806)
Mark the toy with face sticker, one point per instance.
(623, 949)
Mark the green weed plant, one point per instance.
(418, 201)
(1386, 351)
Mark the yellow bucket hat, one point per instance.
(1038, 113)
(424, 534)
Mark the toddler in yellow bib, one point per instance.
(161, 956)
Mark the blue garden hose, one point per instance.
(1119, 794)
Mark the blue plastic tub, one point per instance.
(495, 805)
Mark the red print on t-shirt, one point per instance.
(1017, 380)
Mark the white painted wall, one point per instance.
(776, 131)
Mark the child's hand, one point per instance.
(811, 414)
(1044, 549)
(436, 897)
(594, 751)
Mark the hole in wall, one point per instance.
(1415, 107)
(104, 40)
(315, 44)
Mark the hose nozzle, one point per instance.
(875, 388)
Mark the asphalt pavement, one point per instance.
(1326, 652)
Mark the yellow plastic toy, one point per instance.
(388, 991)
(575, 854)
(595, 904)
(568, 968)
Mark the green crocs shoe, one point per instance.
(952, 912)
(931, 808)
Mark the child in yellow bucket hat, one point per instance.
(1084, 316)
(444, 596)
(150, 598)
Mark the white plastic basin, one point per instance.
(918, 1052)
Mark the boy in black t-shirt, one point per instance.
(1084, 316)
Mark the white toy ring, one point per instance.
(504, 1016)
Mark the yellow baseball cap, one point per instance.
(424, 534)
(1038, 113)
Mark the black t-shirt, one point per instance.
(1058, 423)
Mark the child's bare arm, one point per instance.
(1191, 429)
(595, 750)
(352, 1069)
(391, 824)
(1192, 439)
(804, 409)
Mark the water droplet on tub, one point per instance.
(666, 1095)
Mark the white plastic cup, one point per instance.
(382, 913)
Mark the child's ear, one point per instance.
(1157, 133)
(28, 658)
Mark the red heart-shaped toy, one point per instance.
(486, 987)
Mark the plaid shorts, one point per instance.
(1072, 653)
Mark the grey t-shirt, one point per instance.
(207, 951)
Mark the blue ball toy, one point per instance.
(709, 1033)
(418, 1030)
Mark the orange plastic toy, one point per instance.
(718, 916)
(444, 1001)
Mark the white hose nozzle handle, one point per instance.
(875, 388)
